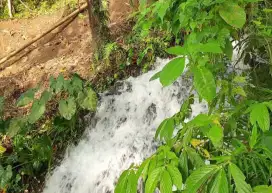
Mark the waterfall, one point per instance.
(120, 134)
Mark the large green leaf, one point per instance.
(253, 137)
(166, 129)
(211, 47)
(5, 176)
(215, 134)
(183, 162)
(26, 98)
(204, 83)
(67, 108)
(37, 111)
(175, 175)
(122, 183)
(177, 50)
(262, 189)
(15, 126)
(132, 183)
(259, 114)
(166, 182)
(152, 180)
(239, 179)
(172, 71)
(233, 14)
(194, 157)
(59, 83)
(220, 183)
(162, 7)
(88, 99)
(199, 177)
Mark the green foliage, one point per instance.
(235, 134)
(28, 142)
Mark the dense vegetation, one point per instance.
(30, 8)
(32, 141)
(228, 149)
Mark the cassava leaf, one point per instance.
(204, 83)
(220, 183)
(172, 71)
(152, 180)
(259, 114)
(239, 179)
(132, 183)
(199, 177)
(211, 47)
(177, 50)
(233, 14)
(175, 175)
(166, 182)
(155, 76)
(122, 183)
(183, 163)
(262, 189)
(215, 134)
(253, 137)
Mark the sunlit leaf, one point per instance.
(152, 180)
(176, 176)
(172, 71)
(204, 83)
(220, 183)
(166, 182)
(199, 177)
(239, 180)
(259, 114)
(233, 14)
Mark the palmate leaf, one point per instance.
(220, 183)
(239, 179)
(152, 180)
(199, 177)
(175, 175)
(204, 83)
(172, 71)
(259, 114)
(166, 182)
(233, 14)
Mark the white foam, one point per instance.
(121, 133)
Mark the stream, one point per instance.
(121, 133)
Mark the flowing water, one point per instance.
(121, 133)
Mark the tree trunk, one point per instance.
(92, 19)
(10, 8)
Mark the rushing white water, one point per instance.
(121, 133)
